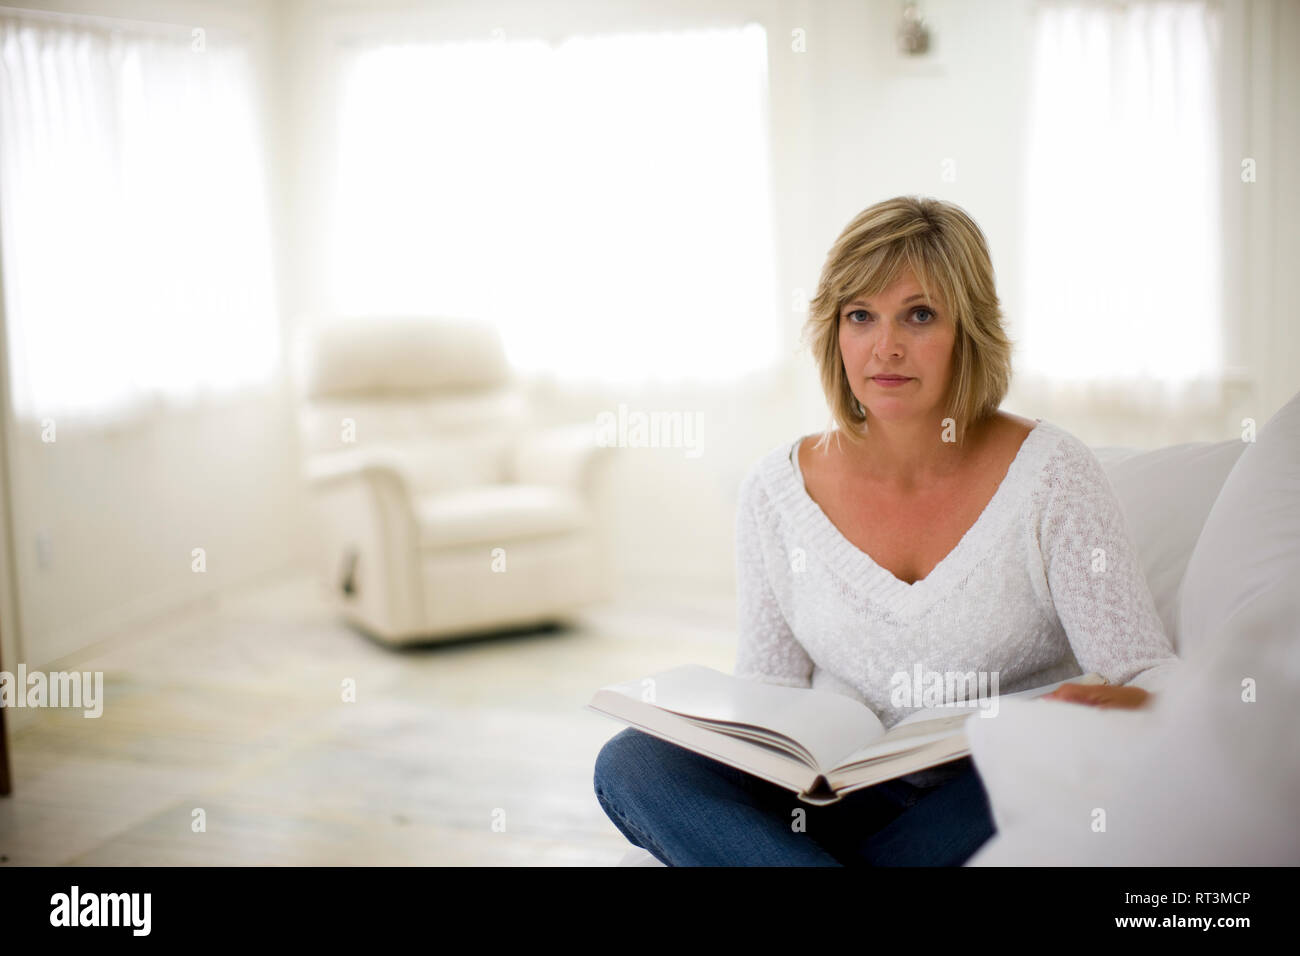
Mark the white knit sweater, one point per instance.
(1024, 593)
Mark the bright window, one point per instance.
(137, 263)
(606, 201)
(1122, 260)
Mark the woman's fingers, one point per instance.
(1100, 695)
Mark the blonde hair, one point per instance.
(945, 250)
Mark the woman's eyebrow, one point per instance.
(919, 295)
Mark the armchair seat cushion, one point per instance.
(496, 514)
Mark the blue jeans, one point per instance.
(690, 810)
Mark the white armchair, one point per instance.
(441, 509)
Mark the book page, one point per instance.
(753, 757)
(827, 725)
(943, 712)
(930, 724)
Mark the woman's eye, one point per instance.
(862, 312)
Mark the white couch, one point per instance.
(1196, 511)
(441, 507)
(1210, 774)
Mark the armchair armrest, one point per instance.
(373, 464)
(563, 455)
(368, 536)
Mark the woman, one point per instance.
(934, 533)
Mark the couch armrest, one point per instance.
(563, 455)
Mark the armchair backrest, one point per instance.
(437, 393)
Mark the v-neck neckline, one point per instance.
(883, 583)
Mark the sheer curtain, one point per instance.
(1122, 267)
(605, 200)
(136, 245)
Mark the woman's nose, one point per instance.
(887, 342)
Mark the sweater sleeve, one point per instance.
(767, 650)
(1101, 596)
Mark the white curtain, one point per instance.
(1122, 265)
(136, 262)
(606, 200)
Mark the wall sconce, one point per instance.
(913, 35)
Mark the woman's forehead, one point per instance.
(904, 283)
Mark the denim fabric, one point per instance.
(689, 810)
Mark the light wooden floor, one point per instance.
(235, 709)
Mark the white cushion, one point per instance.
(1251, 538)
(449, 465)
(1034, 757)
(497, 514)
(377, 419)
(1166, 495)
(398, 354)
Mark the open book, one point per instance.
(819, 744)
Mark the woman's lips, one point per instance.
(890, 382)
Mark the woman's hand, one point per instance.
(1101, 695)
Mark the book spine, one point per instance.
(820, 793)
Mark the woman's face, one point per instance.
(899, 332)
